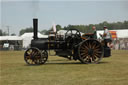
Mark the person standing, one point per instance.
(94, 32)
(107, 37)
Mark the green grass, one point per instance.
(60, 71)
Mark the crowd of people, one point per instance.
(120, 44)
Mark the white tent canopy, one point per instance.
(27, 37)
(120, 33)
(63, 32)
(10, 38)
(30, 35)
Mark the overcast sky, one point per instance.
(18, 14)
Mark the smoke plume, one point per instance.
(35, 8)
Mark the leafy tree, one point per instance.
(58, 27)
(46, 32)
(43, 31)
(0, 32)
(22, 31)
(13, 34)
(88, 28)
(3, 33)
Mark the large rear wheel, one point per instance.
(90, 51)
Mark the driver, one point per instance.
(107, 36)
(94, 32)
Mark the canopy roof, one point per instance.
(30, 35)
(10, 38)
(119, 33)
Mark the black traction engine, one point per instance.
(72, 45)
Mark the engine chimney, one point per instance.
(35, 28)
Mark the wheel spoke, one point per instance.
(90, 45)
(34, 56)
(28, 52)
(97, 46)
(93, 45)
(86, 44)
(28, 57)
(84, 56)
(90, 51)
(85, 51)
(44, 56)
(85, 47)
(97, 55)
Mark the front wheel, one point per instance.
(33, 56)
(90, 51)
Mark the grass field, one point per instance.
(60, 71)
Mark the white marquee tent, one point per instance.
(120, 33)
(10, 43)
(27, 37)
(62, 32)
(10, 38)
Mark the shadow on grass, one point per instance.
(68, 63)
(65, 63)
(103, 62)
(61, 60)
(32, 65)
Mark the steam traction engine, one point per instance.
(85, 48)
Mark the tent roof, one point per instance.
(120, 33)
(62, 32)
(10, 38)
(30, 35)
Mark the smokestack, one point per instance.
(35, 28)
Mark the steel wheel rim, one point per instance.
(90, 51)
(44, 55)
(33, 56)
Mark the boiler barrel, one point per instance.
(41, 44)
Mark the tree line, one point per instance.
(88, 28)
(81, 28)
(2, 33)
